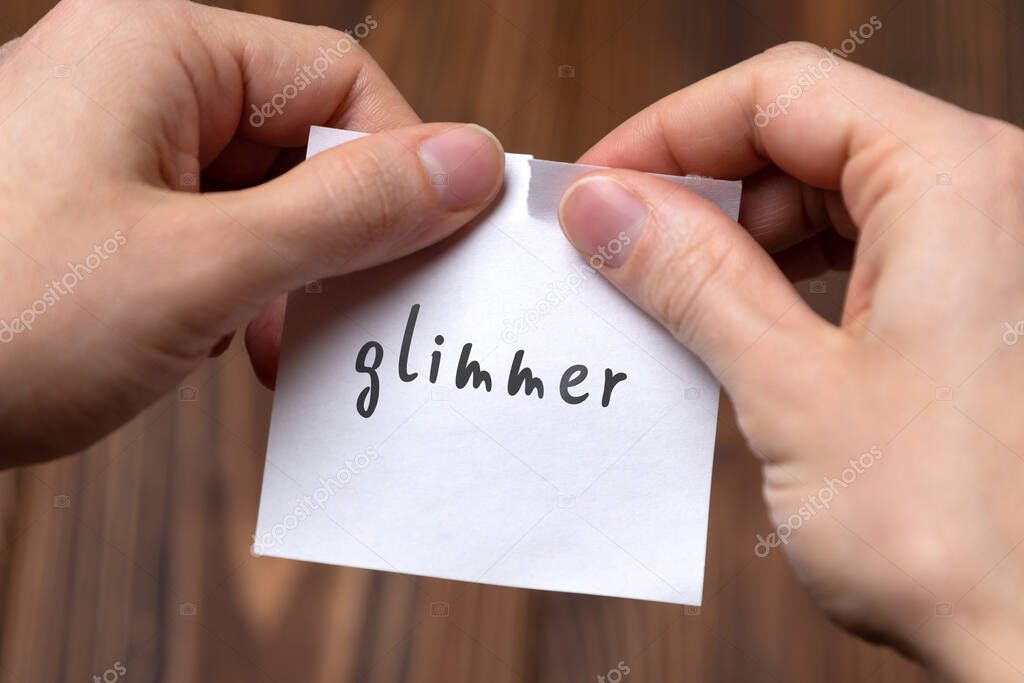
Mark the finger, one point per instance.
(730, 125)
(243, 164)
(695, 271)
(780, 212)
(351, 207)
(263, 341)
(240, 164)
(221, 346)
(827, 251)
(9, 47)
(273, 79)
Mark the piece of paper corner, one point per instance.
(484, 486)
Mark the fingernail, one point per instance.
(465, 164)
(603, 219)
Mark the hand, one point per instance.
(892, 444)
(118, 277)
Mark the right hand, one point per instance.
(911, 403)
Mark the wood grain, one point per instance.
(137, 551)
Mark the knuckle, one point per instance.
(682, 278)
(369, 206)
(786, 73)
(795, 52)
(334, 44)
(789, 65)
(171, 9)
(1014, 151)
(173, 16)
(883, 167)
(9, 47)
(1000, 154)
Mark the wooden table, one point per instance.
(136, 554)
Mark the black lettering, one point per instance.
(610, 380)
(573, 375)
(403, 358)
(435, 360)
(520, 375)
(367, 401)
(470, 369)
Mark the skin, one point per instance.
(114, 114)
(921, 549)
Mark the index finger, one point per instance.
(798, 107)
(292, 76)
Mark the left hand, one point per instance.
(118, 278)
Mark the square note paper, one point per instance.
(492, 410)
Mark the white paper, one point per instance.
(482, 486)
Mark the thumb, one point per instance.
(357, 205)
(697, 272)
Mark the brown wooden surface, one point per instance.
(159, 517)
